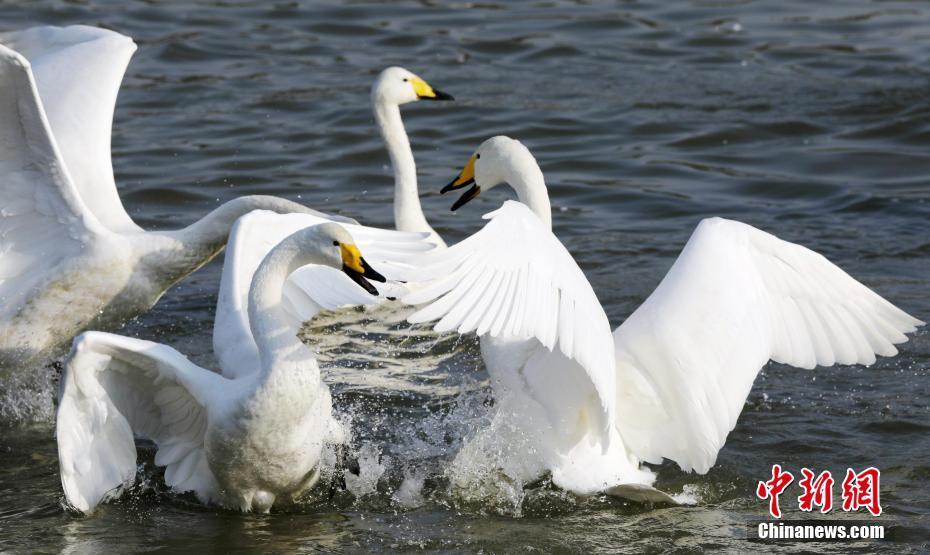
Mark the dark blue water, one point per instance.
(810, 120)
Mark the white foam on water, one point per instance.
(690, 495)
(371, 466)
(410, 493)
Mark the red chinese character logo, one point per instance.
(861, 490)
(817, 491)
(772, 489)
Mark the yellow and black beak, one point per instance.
(426, 92)
(357, 269)
(465, 178)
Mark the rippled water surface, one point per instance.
(808, 119)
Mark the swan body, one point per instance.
(246, 438)
(394, 87)
(71, 257)
(589, 405)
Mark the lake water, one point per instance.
(810, 120)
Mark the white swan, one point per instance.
(589, 406)
(396, 86)
(70, 256)
(308, 290)
(244, 439)
(393, 87)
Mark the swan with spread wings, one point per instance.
(65, 237)
(589, 405)
(71, 258)
(253, 435)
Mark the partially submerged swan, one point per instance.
(590, 406)
(71, 258)
(247, 438)
(396, 86)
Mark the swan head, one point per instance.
(396, 85)
(339, 251)
(498, 160)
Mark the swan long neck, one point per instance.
(271, 325)
(212, 231)
(198, 243)
(527, 180)
(408, 214)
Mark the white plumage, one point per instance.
(246, 438)
(308, 290)
(673, 378)
(527, 287)
(394, 87)
(736, 298)
(65, 239)
(115, 388)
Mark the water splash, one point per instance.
(29, 395)
(371, 469)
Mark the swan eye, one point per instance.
(477, 156)
(335, 243)
(405, 79)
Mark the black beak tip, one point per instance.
(371, 274)
(442, 96)
(466, 196)
(452, 186)
(359, 279)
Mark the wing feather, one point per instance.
(520, 298)
(78, 71)
(506, 302)
(43, 221)
(496, 305)
(736, 298)
(114, 388)
(514, 279)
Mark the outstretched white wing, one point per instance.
(43, 220)
(514, 279)
(78, 71)
(736, 298)
(307, 291)
(115, 388)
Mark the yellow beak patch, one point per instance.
(351, 257)
(468, 172)
(422, 88)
